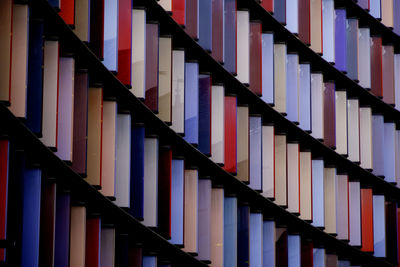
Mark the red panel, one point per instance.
(376, 66)
(164, 192)
(93, 228)
(192, 20)
(329, 115)
(217, 30)
(152, 38)
(268, 5)
(68, 11)
(255, 57)
(97, 28)
(4, 147)
(367, 223)
(124, 41)
(178, 11)
(230, 156)
(307, 255)
(304, 21)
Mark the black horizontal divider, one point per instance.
(138, 232)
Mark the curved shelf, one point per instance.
(86, 59)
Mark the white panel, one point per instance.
(292, 16)
(150, 187)
(305, 97)
(319, 257)
(341, 122)
(294, 251)
(217, 123)
(243, 46)
(138, 52)
(389, 164)
(397, 151)
(317, 106)
(269, 243)
(293, 167)
(353, 135)
(355, 213)
(375, 8)
(256, 239)
(364, 57)
(318, 193)
(292, 87)
(328, 28)
(397, 80)
(268, 68)
(111, 34)
(166, 4)
(107, 251)
(178, 91)
(379, 226)
(366, 137)
(268, 161)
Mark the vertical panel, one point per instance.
(205, 114)
(268, 161)
(317, 108)
(205, 24)
(204, 220)
(82, 20)
(97, 28)
(149, 261)
(256, 239)
(377, 144)
(217, 227)
(364, 4)
(111, 34)
(329, 114)
(50, 93)
(177, 201)
(353, 128)
(397, 154)
(391, 231)
(230, 35)
(178, 11)
(30, 217)
(340, 40)
(292, 87)
(255, 58)
(396, 22)
(304, 21)
(341, 122)
(342, 207)
(268, 243)
(4, 168)
(379, 226)
(281, 247)
(364, 57)
(319, 257)
(47, 216)
(328, 28)
(137, 171)
(376, 66)
(268, 5)
(95, 129)
(280, 11)
(330, 200)
(19, 60)
(255, 137)
(218, 30)
(151, 66)
(397, 80)
(178, 91)
(80, 126)
(192, 18)
(294, 250)
(107, 250)
(375, 9)
(217, 123)
(243, 228)
(267, 68)
(354, 213)
(352, 48)
(123, 160)
(292, 16)
(230, 231)
(280, 77)
(230, 152)
(108, 144)
(243, 46)
(165, 79)
(190, 224)
(305, 97)
(164, 192)
(293, 177)
(6, 30)
(318, 219)
(306, 182)
(192, 102)
(388, 74)
(389, 164)
(77, 241)
(166, 4)
(138, 64)
(280, 170)
(61, 249)
(243, 144)
(316, 25)
(122, 250)
(150, 187)
(124, 41)
(367, 223)
(93, 239)
(307, 253)
(67, 11)
(65, 108)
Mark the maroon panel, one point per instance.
(97, 28)
(135, 257)
(47, 224)
(192, 20)
(164, 191)
(391, 231)
(217, 30)
(388, 74)
(93, 228)
(304, 21)
(376, 66)
(281, 248)
(124, 41)
(230, 154)
(307, 254)
(329, 115)
(268, 5)
(152, 40)
(255, 57)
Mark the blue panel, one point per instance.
(205, 24)
(379, 226)
(328, 24)
(137, 171)
(111, 34)
(396, 6)
(192, 103)
(375, 8)
(243, 236)
(35, 77)
(318, 193)
(294, 251)
(205, 114)
(390, 155)
(268, 243)
(177, 205)
(230, 35)
(255, 153)
(292, 87)
(268, 68)
(30, 218)
(292, 13)
(305, 97)
(319, 257)
(149, 261)
(344, 264)
(352, 36)
(340, 39)
(204, 220)
(61, 243)
(230, 232)
(280, 11)
(377, 145)
(55, 3)
(256, 239)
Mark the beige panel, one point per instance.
(341, 122)
(342, 209)
(19, 62)
(138, 52)
(305, 186)
(387, 13)
(82, 19)
(280, 170)
(165, 79)
(330, 187)
(95, 111)
(316, 25)
(166, 4)
(243, 46)
(243, 144)
(317, 105)
(77, 245)
(293, 161)
(6, 7)
(178, 91)
(280, 77)
(353, 133)
(217, 227)
(268, 161)
(217, 123)
(190, 213)
(366, 137)
(150, 185)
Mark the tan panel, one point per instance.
(387, 13)
(165, 79)
(280, 170)
(77, 245)
(217, 227)
(316, 25)
(268, 158)
(305, 186)
(190, 213)
(82, 19)
(341, 122)
(366, 137)
(280, 77)
(243, 144)
(330, 187)
(6, 7)
(353, 134)
(293, 161)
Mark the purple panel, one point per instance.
(340, 39)
(61, 252)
